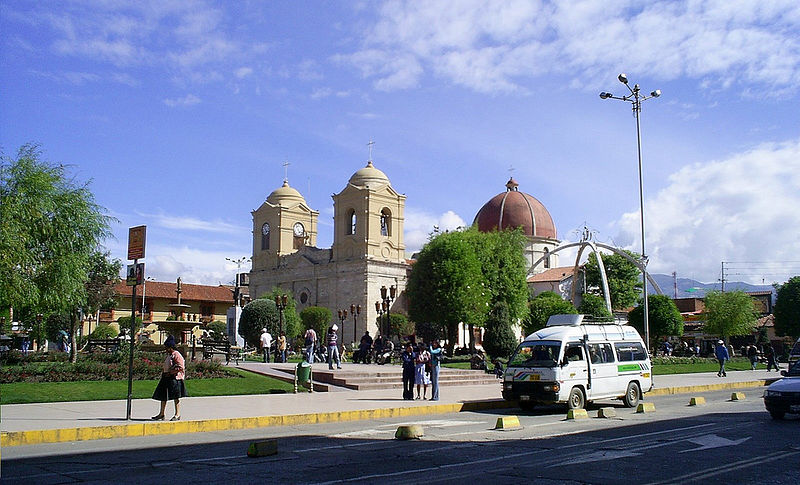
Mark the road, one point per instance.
(723, 441)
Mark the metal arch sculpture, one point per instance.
(582, 245)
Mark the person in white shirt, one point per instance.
(266, 342)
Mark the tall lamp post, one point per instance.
(380, 311)
(355, 310)
(281, 301)
(636, 98)
(388, 297)
(236, 290)
(39, 318)
(342, 318)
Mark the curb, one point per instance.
(36, 437)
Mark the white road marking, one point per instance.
(713, 441)
(757, 462)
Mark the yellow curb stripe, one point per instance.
(664, 391)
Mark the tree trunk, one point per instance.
(73, 329)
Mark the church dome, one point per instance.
(511, 209)
(369, 175)
(285, 195)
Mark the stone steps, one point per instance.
(393, 379)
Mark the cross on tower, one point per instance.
(286, 170)
(511, 171)
(370, 149)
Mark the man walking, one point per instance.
(333, 347)
(266, 342)
(722, 355)
(752, 354)
(280, 355)
(769, 353)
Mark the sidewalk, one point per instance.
(23, 424)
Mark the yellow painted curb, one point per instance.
(507, 422)
(737, 396)
(263, 448)
(646, 407)
(577, 414)
(697, 401)
(606, 413)
(409, 432)
(665, 391)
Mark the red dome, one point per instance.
(512, 209)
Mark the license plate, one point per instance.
(524, 397)
(535, 377)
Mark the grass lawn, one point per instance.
(663, 369)
(30, 392)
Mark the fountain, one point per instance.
(177, 327)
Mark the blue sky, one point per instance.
(182, 113)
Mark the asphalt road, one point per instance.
(721, 442)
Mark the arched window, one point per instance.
(386, 222)
(546, 258)
(265, 236)
(351, 222)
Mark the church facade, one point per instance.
(367, 252)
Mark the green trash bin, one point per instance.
(303, 372)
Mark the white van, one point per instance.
(574, 362)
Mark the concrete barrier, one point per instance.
(507, 422)
(737, 396)
(263, 448)
(606, 413)
(409, 432)
(697, 401)
(577, 414)
(646, 407)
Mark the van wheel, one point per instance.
(575, 400)
(631, 398)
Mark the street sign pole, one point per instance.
(130, 349)
(136, 245)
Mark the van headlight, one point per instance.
(551, 388)
(769, 393)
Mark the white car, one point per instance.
(783, 396)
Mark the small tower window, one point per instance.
(386, 222)
(351, 222)
(265, 236)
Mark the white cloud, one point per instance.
(419, 224)
(496, 46)
(194, 224)
(188, 100)
(196, 266)
(243, 72)
(743, 208)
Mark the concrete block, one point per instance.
(646, 407)
(263, 448)
(409, 432)
(577, 414)
(697, 401)
(737, 396)
(507, 422)
(606, 413)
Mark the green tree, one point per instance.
(50, 226)
(787, 308)
(624, 279)
(429, 331)
(504, 267)
(317, 318)
(56, 325)
(729, 314)
(256, 315)
(103, 275)
(103, 331)
(499, 339)
(125, 325)
(594, 305)
(400, 325)
(543, 307)
(217, 330)
(291, 320)
(446, 285)
(664, 318)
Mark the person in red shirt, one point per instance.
(171, 385)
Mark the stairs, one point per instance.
(371, 377)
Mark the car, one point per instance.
(783, 396)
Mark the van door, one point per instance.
(605, 382)
(575, 371)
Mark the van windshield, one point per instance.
(536, 354)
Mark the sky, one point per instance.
(181, 115)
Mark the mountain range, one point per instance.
(689, 288)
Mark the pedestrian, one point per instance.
(752, 354)
(407, 358)
(364, 347)
(769, 353)
(171, 386)
(437, 353)
(281, 353)
(421, 378)
(722, 355)
(266, 343)
(333, 347)
(309, 342)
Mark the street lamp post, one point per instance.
(342, 317)
(636, 98)
(39, 318)
(388, 298)
(355, 310)
(236, 290)
(281, 301)
(379, 309)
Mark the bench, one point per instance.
(212, 346)
(103, 344)
(239, 353)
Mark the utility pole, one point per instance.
(723, 276)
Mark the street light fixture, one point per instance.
(387, 297)
(236, 290)
(636, 98)
(39, 318)
(281, 301)
(355, 310)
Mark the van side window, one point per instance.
(573, 352)
(601, 353)
(628, 351)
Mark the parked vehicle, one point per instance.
(794, 354)
(574, 361)
(783, 396)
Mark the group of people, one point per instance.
(265, 341)
(722, 355)
(332, 356)
(421, 365)
(368, 347)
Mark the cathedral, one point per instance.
(368, 251)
